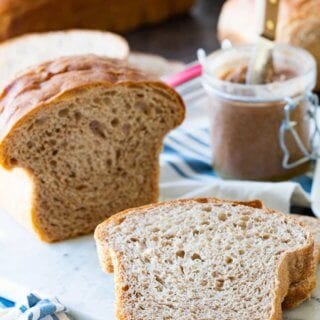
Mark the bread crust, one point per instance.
(301, 291)
(305, 256)
(54, 80)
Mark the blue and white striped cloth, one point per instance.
(34, 308)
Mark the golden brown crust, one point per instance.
(50, 80)
(301, 27)
(24, 16)
(18, 7)
(301, 291)
(46, 81)
(287, 268)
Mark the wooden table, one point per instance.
(180, 37)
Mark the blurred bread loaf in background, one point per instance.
(22, 52)
(299, 24)
(22, 16)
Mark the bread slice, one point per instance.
(79, 141)
(19, 53)
(203, 259)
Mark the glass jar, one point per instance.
(246, 119)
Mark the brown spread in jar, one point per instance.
(245, 134)
(238, 74)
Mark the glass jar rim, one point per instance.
(268, 92)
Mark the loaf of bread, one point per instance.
(299, 24)
(80, 138)
(203, 259)
(24, 51)
(23, 16)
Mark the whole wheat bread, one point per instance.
(203, 259)
(79, 141)
(19, 53)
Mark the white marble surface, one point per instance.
(70, 271)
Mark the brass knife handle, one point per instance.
(269, 15)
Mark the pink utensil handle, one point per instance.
(184, 76)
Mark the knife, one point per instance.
(261, 61)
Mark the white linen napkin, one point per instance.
(279, 196)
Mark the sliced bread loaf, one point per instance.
(203, 259)
(79, 141)
(24, 51)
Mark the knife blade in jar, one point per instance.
(261, 62)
